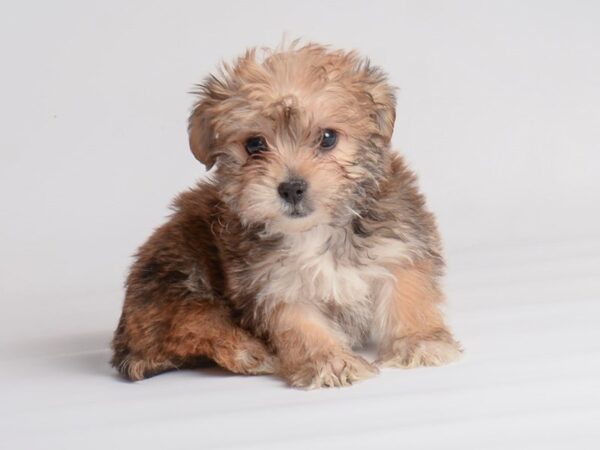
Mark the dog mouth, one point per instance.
(297, 212)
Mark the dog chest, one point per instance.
(323, 266)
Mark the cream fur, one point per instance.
(321, 268)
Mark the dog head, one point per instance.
(300, 136)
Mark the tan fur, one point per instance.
(414, 332)
(258, 284)
(313, 352)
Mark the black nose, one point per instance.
(292, 191)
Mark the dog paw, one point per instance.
(414, 351)
(256, 360)
(333, 371)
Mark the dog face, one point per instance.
(300, 136)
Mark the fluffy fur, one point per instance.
(258, 285)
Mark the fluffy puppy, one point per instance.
(308, 237)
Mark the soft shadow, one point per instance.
(89, 354)
(59, 345)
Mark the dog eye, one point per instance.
(255, 144)
(328, 139)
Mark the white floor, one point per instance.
(499, 114)
(530, 378)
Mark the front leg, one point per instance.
(313, 353)
(412, 329)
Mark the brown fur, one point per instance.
(234, 277)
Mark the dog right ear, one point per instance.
(200, 133)
(201, 124)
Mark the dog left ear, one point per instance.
(385, 104)
(383, 97)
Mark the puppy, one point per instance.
(308, 238)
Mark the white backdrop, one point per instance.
(498, 112)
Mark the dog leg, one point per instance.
(413, 332)
(312, 352)
(151, 339)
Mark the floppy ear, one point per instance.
(201, 134)
(201, 125)
(385, 104)
(384, 98)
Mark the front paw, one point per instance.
(253, 358)
(414, 351)
(335, 370)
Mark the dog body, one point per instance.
(309, 238)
